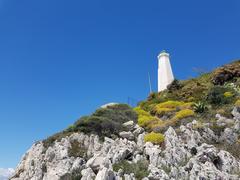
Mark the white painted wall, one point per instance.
(165, 74)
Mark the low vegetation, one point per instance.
(140, 169)
(77, 150)
(185, 113)
(226, 73)
(237, 103)
(220, 95)
(103, 122)
(200, 107)
(144, 117)
(202, 98)
(106, 121)
(164, 114)
(155, 138)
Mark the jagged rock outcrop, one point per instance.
(185, 154)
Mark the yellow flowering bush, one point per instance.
(187, 105)
(144, 117)
(183, 114)
(155, 138)
(237, 103)
(167, 107)
(156, 123)
(228, 94)
(162, 111)
(143, 121)
(170, 104)
(140, 111)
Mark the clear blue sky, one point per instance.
(60, 60)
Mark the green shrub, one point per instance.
(77, 150)
(71, 128)
(216, 95)
(101, 126)
(56, 137)
(155, 138)
(233, 86)
(199, 107)
(120, 113)
(140, 169)
(106, 121)
(175, 85)
(195, 88)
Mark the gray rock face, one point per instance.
(129, 125)
(209, 163)
(175, 150)
(87, 174)
(96, 162)
(138, 130)
(128, 135)
(105, 174)
(183, 155)
(156, 173)
(236, 113)
(53, 163)
(229, 136)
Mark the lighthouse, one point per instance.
(165, 74)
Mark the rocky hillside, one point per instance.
(189, 131)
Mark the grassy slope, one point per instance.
(196, 89)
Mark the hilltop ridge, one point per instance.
(189, 131)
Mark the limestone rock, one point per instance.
(153, 153)
(138, 130)
(96, 162)
(236, 113)
(87, 174)
(229, 136)
(140, 140)
(175, 150)
(129, 125)
(156, 174)
(185, 155)
(105, 174)
(129, 177)
(128, 135)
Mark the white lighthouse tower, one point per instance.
(165, 74)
